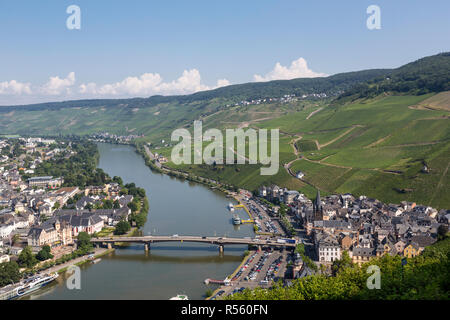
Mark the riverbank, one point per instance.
(155, 165)
(231, 275)
(98, 252)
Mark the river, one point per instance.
(176, 207)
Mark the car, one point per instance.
(175, 236)
(203, 237)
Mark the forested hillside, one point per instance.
(430, 74)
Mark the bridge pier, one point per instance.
(147, 246)
(110, 245)
(259, 248)
(221, 248)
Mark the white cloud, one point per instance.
(57, 86)
(147, 84)
(223, 83)
(298, 69)
(14, 87)
(150, 84)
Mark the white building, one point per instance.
(300, 175)
(6, 230)
(328, 250)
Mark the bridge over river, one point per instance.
(219, 241)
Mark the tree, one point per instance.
(27, 258)
(340, 264)
(122, 227)
(84, 241)
(133, 206)
(107, 204)
(9, 273)
(442, 232)
(300, 248)
(118, 180)
(44, 253)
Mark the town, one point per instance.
(326, 229)
(44, 218)
(41, 216)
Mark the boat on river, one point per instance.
(28, 286)
(180, 297)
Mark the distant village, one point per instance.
(114, 138)
(364, 227)
(36, 210)
(287, 98)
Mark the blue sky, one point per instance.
(140, 48)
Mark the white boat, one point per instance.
(230, 207)
(32, 284)
(180, 297)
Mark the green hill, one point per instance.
(372, 135)
(429, 74)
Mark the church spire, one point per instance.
(318, 202)
(318, 206)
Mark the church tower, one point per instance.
(317, 207)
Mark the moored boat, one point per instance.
(34, 283)
(180, 297)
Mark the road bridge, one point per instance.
(219, 241)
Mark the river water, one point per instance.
(176, 207)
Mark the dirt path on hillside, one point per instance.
(346, 167)
(313, 113)
(340, 136)
(246, 124)
(439, 184)
(373, 144)
(239, 155)
(288, 165)
(416, 144)
(293, 144)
